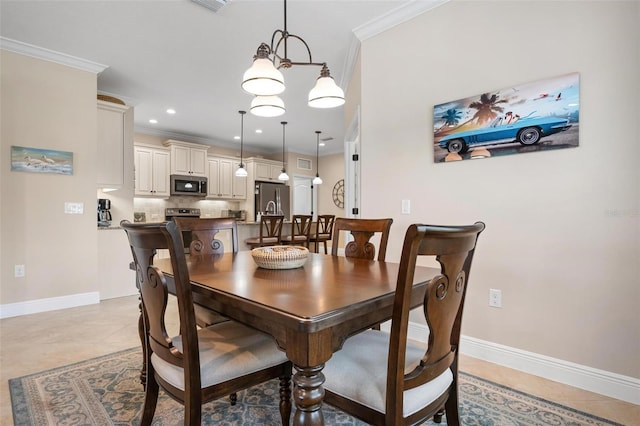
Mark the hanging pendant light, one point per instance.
(317, 180)
(267, 106)
(241, 171)
(264, 78)
(283, 175)
(326, 93)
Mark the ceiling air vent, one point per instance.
(214, 5)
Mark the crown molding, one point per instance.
(350, 62)
(395, 17)
(50, 55)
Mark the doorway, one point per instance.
(352, 167)
(305, 196)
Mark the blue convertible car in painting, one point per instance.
(527, 131)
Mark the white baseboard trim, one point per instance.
(51, 304)
(603, 382)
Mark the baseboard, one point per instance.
(51, 304)
(603, 382)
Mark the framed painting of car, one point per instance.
(537, 116)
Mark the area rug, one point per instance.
(107, 391)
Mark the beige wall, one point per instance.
(563, 238)
(331, 171)
(46, 105)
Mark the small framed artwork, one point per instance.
(37, 160)
(536, 116)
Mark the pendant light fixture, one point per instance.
(317, 180)
(267, 106)
(241, 171)
(264, 78)
(283, 175)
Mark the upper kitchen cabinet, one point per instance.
(265, 170)
(188, 158)
(115, 139)
(223, 183)
(152, 171)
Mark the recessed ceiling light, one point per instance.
(237, 138)
(321, 143)
(258, 130)
(153, 121)
(171, 111)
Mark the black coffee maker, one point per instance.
(104, 215)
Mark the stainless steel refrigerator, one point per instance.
(272, 198)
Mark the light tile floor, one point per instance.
(38, 342)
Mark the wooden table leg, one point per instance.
(308, 394)
(143, 336)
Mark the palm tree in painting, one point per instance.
(451, 117)
(487, 108)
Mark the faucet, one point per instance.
(270, 208)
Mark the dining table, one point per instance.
(310, 310)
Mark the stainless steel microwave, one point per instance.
(189, 185)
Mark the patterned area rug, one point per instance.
(107, 391)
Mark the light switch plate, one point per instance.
(73, 208)
(406, 206)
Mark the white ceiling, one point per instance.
(178, 54)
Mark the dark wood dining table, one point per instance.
(309, 311)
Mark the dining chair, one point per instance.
(300, 230)
(362, 231)
(324, 231)
(270, 232)
(385, 378)
(198, 365)
(203, 239)
(204, 232)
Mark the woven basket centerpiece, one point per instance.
(280, 257)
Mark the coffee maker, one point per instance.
(104, 215)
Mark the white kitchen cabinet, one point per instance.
(151, 171)
(223, 183)
(188, 159)
(239, 184)
(115, 135)
(266, 170)
(114, 257)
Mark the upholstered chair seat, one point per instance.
(227, 350)
(359, 372)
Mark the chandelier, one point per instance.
(266, 82)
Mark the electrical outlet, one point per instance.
(495, 298)
(18, 271)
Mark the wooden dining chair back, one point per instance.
(362, 231)
(270, 231)
(300, 230)
(204, 234)
(324, 231)
(205, 239)
(197, 366)
(398, 381)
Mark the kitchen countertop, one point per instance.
(108, 228)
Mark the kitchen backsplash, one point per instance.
(153, 208)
